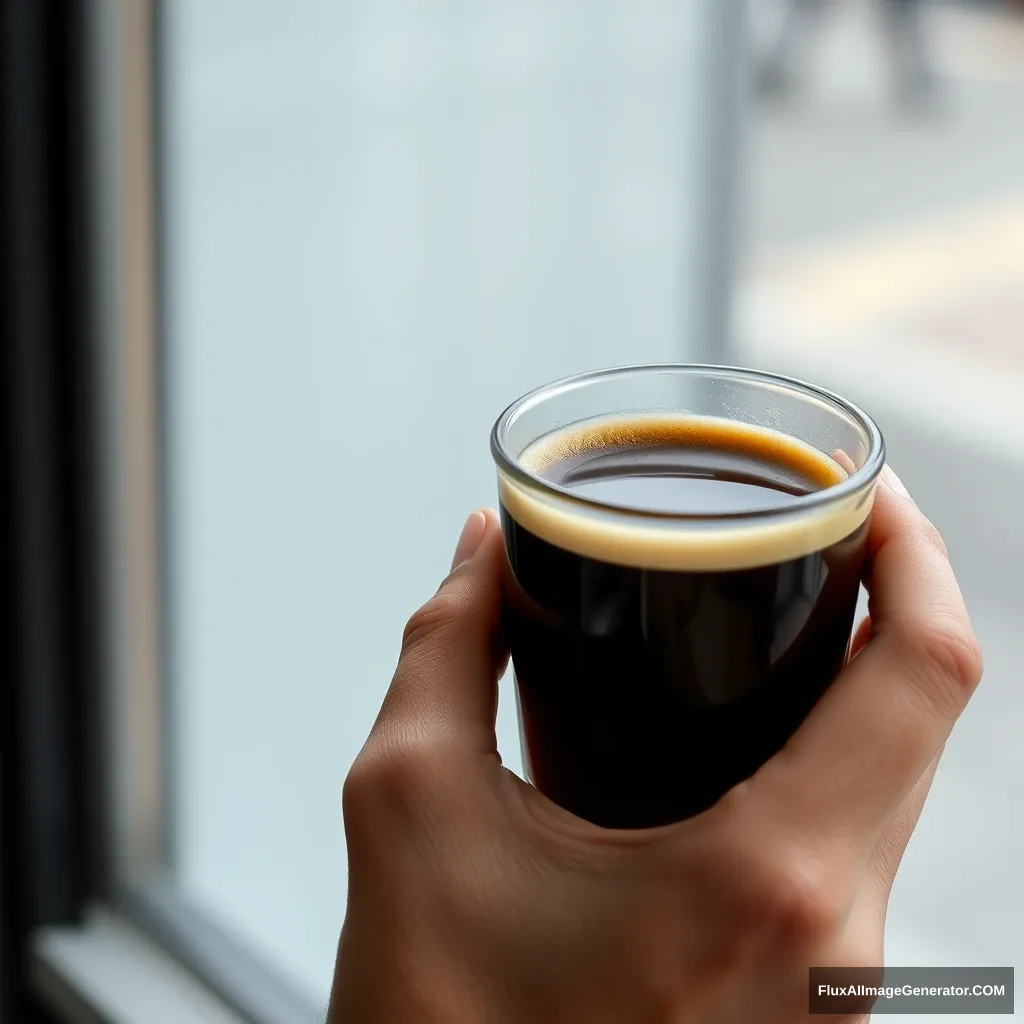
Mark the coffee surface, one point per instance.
(683, 466)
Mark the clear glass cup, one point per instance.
(663, 654)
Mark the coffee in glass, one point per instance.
(685, 546)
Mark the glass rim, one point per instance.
(861, 479)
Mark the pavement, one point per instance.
(884, 257)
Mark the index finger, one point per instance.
(872, 735)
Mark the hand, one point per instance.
(473, 898)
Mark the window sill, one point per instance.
(107, 972)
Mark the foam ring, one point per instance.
(710, 543)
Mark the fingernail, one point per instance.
(894, 482)
(469, 541)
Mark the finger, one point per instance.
(892, 844)
(870, 738)
(866, 922)
(860, 637)
(445, 687)
(845, 461)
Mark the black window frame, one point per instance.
(49, 814)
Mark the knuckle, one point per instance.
(802, 914)
(795, 904)
(387, 781)
(790, 892)
(951, 653)
(438, 613)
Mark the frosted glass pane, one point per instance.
(384, 222)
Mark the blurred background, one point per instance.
(271, 272)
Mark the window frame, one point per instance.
(121, 44)
(47, 559)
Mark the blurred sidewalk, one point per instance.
(888, 247)
(886, 260)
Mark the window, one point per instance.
(329, 242)
(271, 272)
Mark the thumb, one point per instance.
(445, 689)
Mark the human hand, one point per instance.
(473, 898)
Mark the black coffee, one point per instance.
(661, 662)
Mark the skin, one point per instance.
(473, 898)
